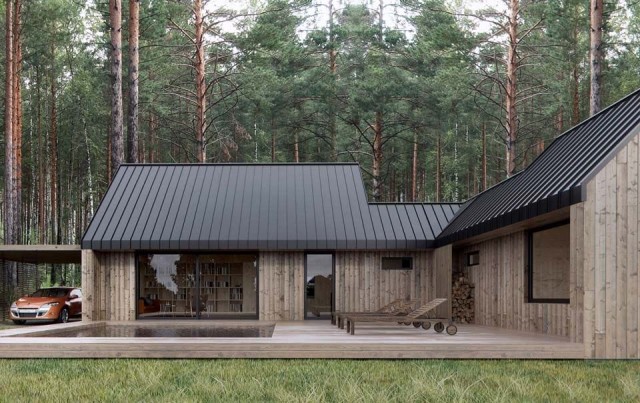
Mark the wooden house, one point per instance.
(552, 250)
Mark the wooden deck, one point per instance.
(310, 339)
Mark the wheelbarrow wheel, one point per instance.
(451, 330)
(438, 327)
(416, 324)
(426, 325)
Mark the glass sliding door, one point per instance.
(166, 285)
(319, 286)
(197, 286)
(228, 286)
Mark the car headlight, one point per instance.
(46, 307)
(14, 306)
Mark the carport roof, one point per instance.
(41, 253)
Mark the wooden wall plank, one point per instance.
(632, 250)
(281, 288)
(621, 237)
(108, 284)
(500, 289)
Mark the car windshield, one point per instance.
(50, 292)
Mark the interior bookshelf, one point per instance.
(221, 287)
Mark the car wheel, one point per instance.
(64, 316)
(19, 322)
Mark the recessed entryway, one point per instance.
(319, 286)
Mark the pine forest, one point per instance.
(437, 100)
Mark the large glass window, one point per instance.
(549, 261)
(319, 286)
(197, 286)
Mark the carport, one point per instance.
(19, 265)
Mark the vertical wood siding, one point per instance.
(361, 284)
(108, 285)
(500, 289)
(608, 241)
(281, 289)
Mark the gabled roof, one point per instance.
(254, 206)
(556, 179)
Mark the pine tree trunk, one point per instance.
(511, 88)
(201, 99)
(152, 137)
(117, 144)
(575, 118)
(438, 169)
(132, 119)
(9, 180)
(53, 154)
(42, 163)
(484, 156)
(273, 140)
(333, 69)
(377, 157)
(597, 57)
(296, 148)
(17, 122)
(414, 167)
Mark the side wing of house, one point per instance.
(605, 247)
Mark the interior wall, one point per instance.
(108, 286)
(500, 281)
(610, 247)
(362, 286)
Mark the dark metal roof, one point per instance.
(410, 225)
(556, 179)
(254, 206)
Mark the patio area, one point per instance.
(309, 339)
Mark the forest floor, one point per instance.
(318, 380)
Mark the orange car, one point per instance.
(55, 304)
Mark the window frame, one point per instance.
(529, 251)
(473, 253)
(401, 258)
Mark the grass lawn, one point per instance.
(318, 380)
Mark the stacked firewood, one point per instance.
(462, 299)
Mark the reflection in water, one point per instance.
(147, 331)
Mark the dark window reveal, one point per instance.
(549, 259)
(473, 258)
(397, 263)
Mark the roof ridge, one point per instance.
(239, 163)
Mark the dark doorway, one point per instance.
(319, 274)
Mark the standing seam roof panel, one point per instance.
(200, 191)
(138, 213)
(235, 224)
(186, 210)
(174, 210)
(118, 237)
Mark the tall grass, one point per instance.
(318, 380)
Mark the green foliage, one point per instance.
(286, 79)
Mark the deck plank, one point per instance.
(312, 339)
